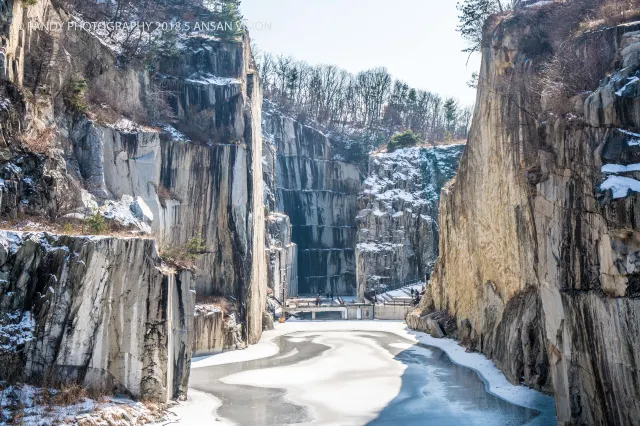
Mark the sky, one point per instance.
(415, 40)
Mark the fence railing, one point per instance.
(399, 303)
(383, 288)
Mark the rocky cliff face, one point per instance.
(195, 188)
(99, 311)
(538, 232)
(397, 223)
(214, 332)
(73, 144)
(282, 257)
(317, 188)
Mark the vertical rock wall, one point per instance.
(206, 183)
(538, 240)
(317, 188)
(282, 257)
(215, 332)
(200, 175)
(397, 222)
(98, 311)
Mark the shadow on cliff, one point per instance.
(435, 390)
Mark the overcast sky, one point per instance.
(414, 39)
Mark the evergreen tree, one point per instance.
(230, 25)
(473, 13)
(450, 113)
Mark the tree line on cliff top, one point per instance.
(368, 101)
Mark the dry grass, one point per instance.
(165, 194)
(218, 302)
(46, 405)
(610, 13)
(41, 143)
(177, 257)
(108, 106)
(555, 42)
(183, 256)
(62, 396)
(71, 227)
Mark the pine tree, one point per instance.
(230, 17)
(473, 13)
(450, 113)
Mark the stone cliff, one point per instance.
(204, 183)
(397, 223)
(100, 311)
(171, 147)
(539, 231)
(316, 184)
(282, 257)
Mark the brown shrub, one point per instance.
(109, 106)
(571, 64)
(615, 12)
(183, 256)
(165, 193)
(219, 302)
(569, 73)
(40, 143)
(69, 395)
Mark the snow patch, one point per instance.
(619, 168)
(632, 80)
(620, 186)
(12, 334)
(175, 134)
(207, 79)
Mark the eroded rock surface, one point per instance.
(99, 311)
(282, 257)
(96, 141)
(538, 233)
(397, 223)
(214, 332)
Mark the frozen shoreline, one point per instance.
(495, 381)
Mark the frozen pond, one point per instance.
(354, 378)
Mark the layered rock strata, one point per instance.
(72, 144)
(317, 187)
(209, 190)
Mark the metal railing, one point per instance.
(396, 286)
(399, 303)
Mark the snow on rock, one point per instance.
(635, 137)
(206, 79)
(619, 168)
(13, 335)
(128, 212)
(125, 125)
(37, 406)
(175, 134)
(620, 186)
(141, 210)
(631, 81)
(71, 306)
(397, 223)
